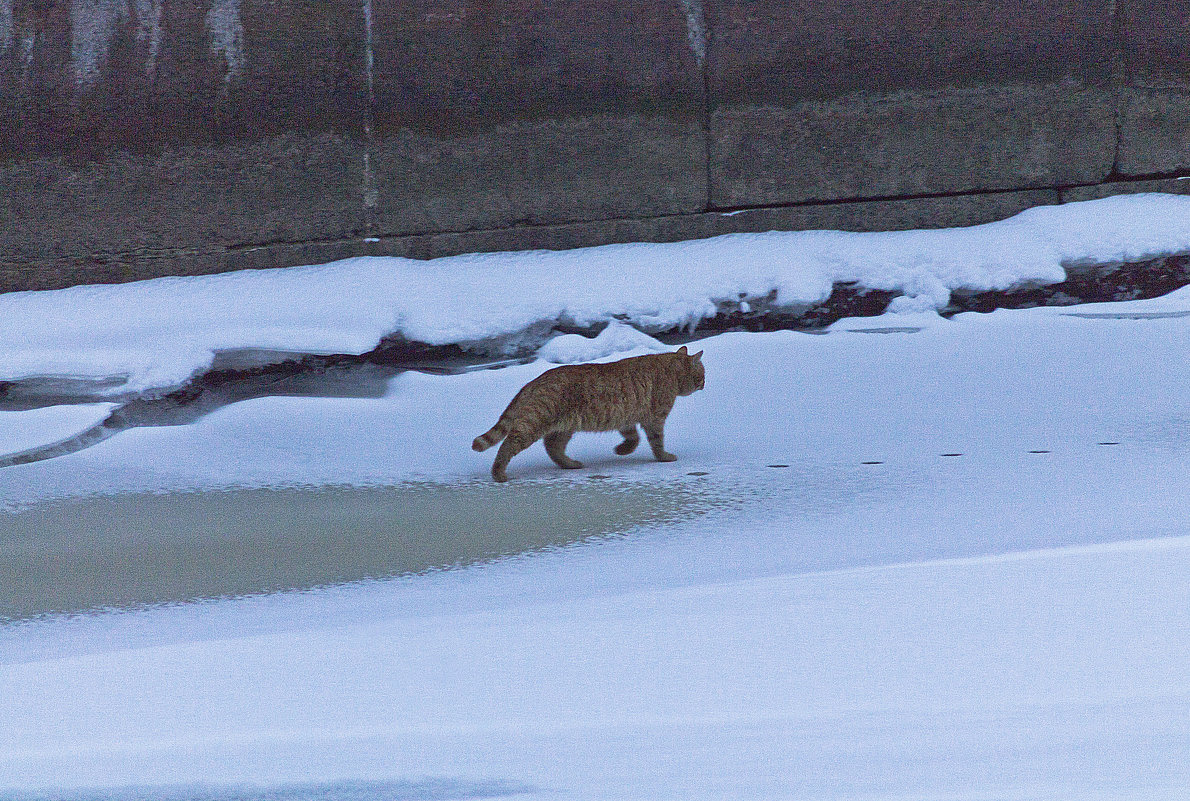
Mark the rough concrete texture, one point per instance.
(815, 100)
(283, 188)
(1155, 115)
(862, 216)
(865, 216)
(450, 66)
(1156, 42)
(148, 126)
(525, 111)
(540, 171)
(1155, 130)
(772, 51)
(88, 78)
(146, 137)
(911, 143)
(1169, 186)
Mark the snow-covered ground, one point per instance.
(903, 563)
(155, 335)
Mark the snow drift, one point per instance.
(157, 334)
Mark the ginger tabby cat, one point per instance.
(613, 396)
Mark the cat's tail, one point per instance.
(490, 438)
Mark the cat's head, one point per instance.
(691, 374)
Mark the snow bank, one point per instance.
(159, 333)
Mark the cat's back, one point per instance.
(624, 378)
(602, 394)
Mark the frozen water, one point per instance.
(873, 620)
(38, 428)
(139, 549)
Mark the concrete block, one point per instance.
(911, 143)
(1156, 43)
(860, 99)
(283, 188)
(1155, 115)
(886, 215)
(539, 171)
(1169, 186)
(129, 127)
(1155, 131)
(91, 77)
(513, 111)
(880, 215)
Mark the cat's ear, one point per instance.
(682, 351)
(697, 357)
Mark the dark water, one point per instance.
(139, 549)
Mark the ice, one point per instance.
(1056, 673)
(875, 619)
(39, 428)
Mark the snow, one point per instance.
(1003, 625)
(1056, 673)
(39, 428)
(614, 340)
(157, 334)
(775, 397)
(834, 609)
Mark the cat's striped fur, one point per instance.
(613, 396)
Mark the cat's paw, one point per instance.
(500, 475)
(573, 464)
(627, 447)
(666, 457)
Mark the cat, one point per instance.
(612, 396)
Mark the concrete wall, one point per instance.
(153, 137)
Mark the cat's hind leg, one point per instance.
(656, 434)
(555, 446)
(631, 440)
(508, 449)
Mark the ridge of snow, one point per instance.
(161, 332)
(616, 339)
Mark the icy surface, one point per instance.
(909, 558)
(974, 380)
(934, 580)
(36, 428)
(157, 334)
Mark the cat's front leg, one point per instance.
(631, 440)
(656, 434)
